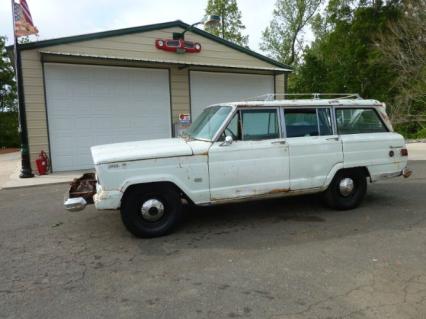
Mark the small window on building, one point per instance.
(259, 124)
(301, 122)
(354, 121)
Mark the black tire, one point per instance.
(137, 224)
(333, 196)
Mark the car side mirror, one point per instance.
(228, 141)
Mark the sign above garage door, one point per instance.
(92, 105)
(209, 88)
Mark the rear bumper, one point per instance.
(406, 172)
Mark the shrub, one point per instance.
(9, 135)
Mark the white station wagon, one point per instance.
(245, 151)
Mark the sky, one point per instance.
(59, 18)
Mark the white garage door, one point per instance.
(213, 87)
(92, 105)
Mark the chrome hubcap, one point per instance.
(152, 210)
(346, 186)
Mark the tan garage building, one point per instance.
(119, 86)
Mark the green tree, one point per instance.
(402, 44)
(231, 27)
(283, 38)
(7, 81)
(8, 107)
(345, 58)
(374, 48)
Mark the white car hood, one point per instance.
(140, 150)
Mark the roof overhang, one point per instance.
(52, 56)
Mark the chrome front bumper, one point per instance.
(81, 193)
(75, 204)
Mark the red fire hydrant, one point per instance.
(42, 163)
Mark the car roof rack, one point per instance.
(313, 96)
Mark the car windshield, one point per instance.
(208, 122)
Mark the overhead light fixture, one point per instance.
(207, 21)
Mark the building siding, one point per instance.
(32, 73)
(279, 84)
(141, 46)
(179, 86)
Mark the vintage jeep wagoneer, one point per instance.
(244, 151)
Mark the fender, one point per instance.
(338, 167)
(332, 173)
(195, 196)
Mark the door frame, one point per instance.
(220, 131)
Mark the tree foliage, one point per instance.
(403, 47)
(347, 57)
(283, 38)
(8, 107)
(231, 27)
(7, 81)
(374, 48)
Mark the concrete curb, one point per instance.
(33, 185)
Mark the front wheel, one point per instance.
(347, 189)
(151, 210)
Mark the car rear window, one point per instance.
(358, 120)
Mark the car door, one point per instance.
(255, 163)
(367, 141)
(314, 148)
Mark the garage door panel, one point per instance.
(209, 88)
(92, 105)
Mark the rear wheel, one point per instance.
(151, 210)
(347, 189)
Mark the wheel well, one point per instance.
(361, 169)
(134, 187)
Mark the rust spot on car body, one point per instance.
(254, 195)
(85, 187)
(204, 153)
(278, 191)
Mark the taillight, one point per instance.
(404, 152)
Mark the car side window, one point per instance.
(301, 122)
(325, 122)
(259, 124)
(233, 129)
(358, 120)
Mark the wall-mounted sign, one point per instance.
(178, 46)
(184, 118)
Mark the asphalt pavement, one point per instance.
(286, 258)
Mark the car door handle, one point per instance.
(278, 142)
(332, 139)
